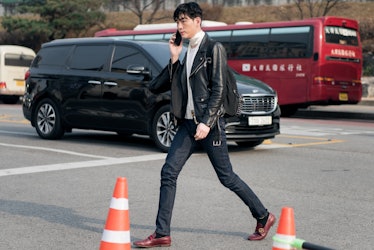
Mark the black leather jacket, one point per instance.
(207, 90)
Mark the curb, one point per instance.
(367, 101)
(319, 114)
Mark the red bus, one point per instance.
(308, 62)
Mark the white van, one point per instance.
(14, 62)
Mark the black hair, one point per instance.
(191, 9)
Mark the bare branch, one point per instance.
(329, 5)
(298, 4)
(315, 7)
(138, 7)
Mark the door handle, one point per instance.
(110, 83)
(94, 82)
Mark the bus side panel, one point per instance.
(288, 77)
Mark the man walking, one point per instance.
(197, 106)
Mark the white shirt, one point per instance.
(193, 47)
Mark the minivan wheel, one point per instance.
(163, 128)
(47, 120)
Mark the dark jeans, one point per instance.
(181, 149)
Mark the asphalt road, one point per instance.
(56, 194)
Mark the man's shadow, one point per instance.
(51, 213)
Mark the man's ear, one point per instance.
(198, 20)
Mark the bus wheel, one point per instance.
(288, 110)
(163, 128)
(47, 120)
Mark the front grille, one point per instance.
(259, 104)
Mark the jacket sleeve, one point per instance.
(217, 80)
(162, 82)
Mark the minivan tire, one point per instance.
(163, 128)
(47, 120)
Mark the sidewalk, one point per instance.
(363, 111)
(368, 101)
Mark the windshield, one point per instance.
(340, 35)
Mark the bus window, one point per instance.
(167, 36)
(130, 37)
(249, 43)
(254, 35)
(290, 42)
(340, 35)
(224, 37)
(151, 37)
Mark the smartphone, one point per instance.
(178, 38)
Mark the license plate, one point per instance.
(343, 96)
(20, 83)
(259, 120)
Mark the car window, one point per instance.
(161, 52)
(126, 57)
(52, 56)
(90, 57)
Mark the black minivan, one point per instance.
(102, 84)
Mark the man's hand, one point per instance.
(174, 50)
(202, 131)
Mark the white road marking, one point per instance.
(15, 133)
(82, 164)
(320, 131)
(54, 150)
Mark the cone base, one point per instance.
(113, 246)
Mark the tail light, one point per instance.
(354, 82)
(319, 80)
(2, 85)
(323, 80)
(27, 74)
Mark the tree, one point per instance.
(53, 19)
(309, 8)
(10, 6)
(315, 7)
(139, 7)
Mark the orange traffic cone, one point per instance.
(116, 235)
(286, 233)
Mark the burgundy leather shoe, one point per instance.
(152, 241)
(261, 231)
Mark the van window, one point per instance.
(125, 57)
(52, 57)
(20, 60)
(90, 57)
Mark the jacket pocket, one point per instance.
(201, 104)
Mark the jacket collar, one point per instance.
(200, 55)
